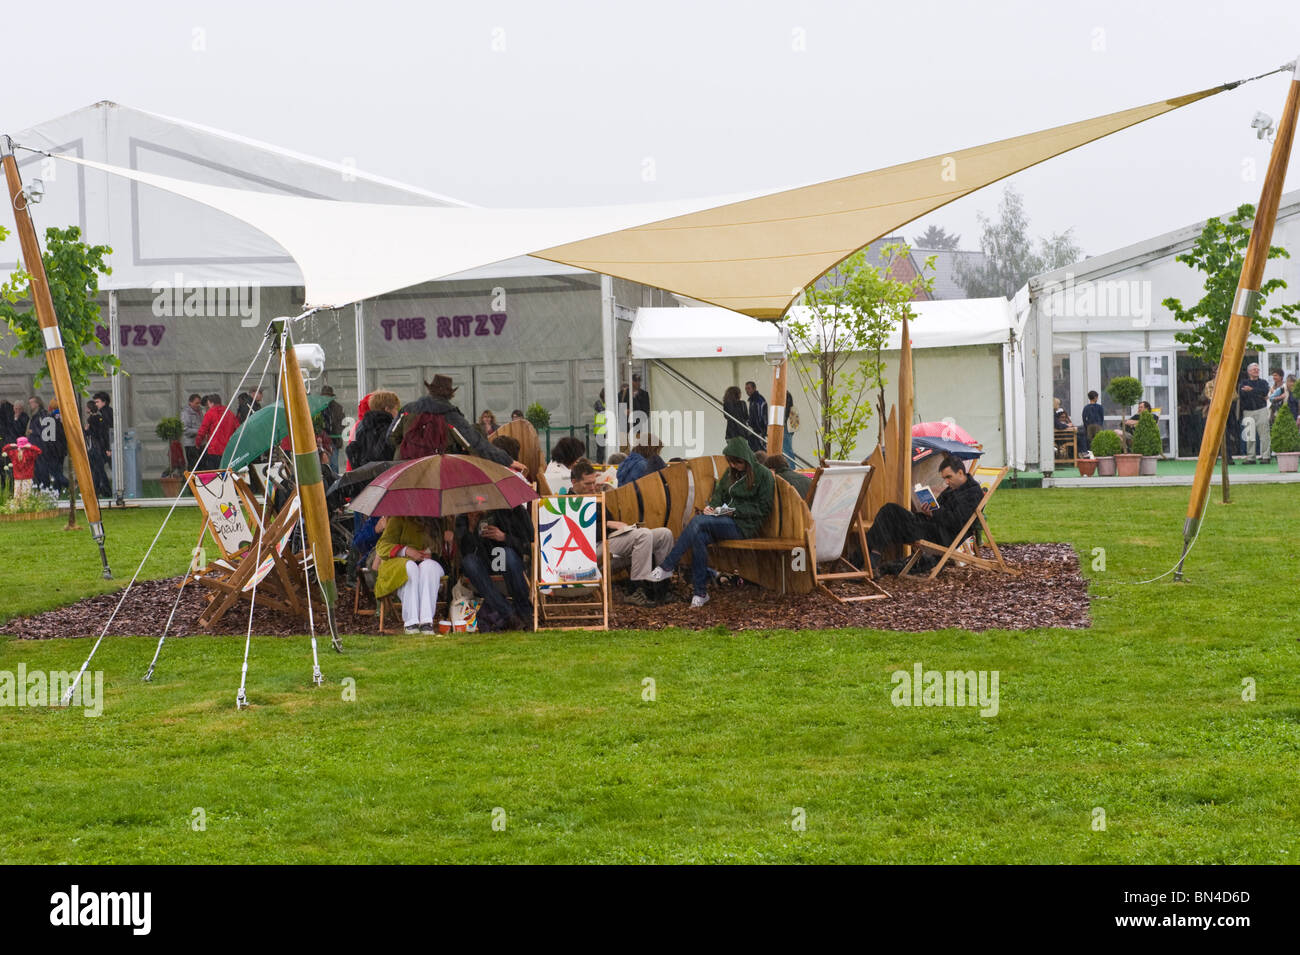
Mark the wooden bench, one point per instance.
(669, 498)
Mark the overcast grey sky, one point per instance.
(567, 103)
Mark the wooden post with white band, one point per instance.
(1245, 308)
(55, 358)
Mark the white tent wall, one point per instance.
(964, 383)
(506, 343)
(967, 355)
(1108, 308)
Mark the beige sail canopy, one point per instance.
(752, 254)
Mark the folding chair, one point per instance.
(230, 515)
(570, 578)
(989, 479)
(835, 499)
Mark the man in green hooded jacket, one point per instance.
(741, 501)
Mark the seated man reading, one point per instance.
(939, 522)
(639, 548)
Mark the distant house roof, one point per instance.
(947, 278)
(903, 270)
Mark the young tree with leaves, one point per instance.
(837, 351)
(1010, 258)
(1220, 252)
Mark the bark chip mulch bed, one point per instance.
(1049, 592)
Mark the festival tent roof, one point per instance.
(751, 254)
(156, 235)
(712, 332)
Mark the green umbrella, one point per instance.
(253, 438)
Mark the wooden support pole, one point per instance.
(776, 409)
(311, 490)
(1244, 309)
(903, 464)
(55, 358)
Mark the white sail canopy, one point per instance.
(752, 254)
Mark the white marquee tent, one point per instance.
(967, 354)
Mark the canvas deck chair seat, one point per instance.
(835, 502)
(570, 576)
(266, 570)
(989, 479)
(231, 518)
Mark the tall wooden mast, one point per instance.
(1244, 309)
(311, 490)
(906, 392)
(55, 359)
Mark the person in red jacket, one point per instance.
(22, 455)
(214, 432)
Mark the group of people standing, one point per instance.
(747, 418)
(35, 447)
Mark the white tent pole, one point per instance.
(359, 309)
(119, 413)
(609, 362)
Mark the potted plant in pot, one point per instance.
(1105, 445)
(538, 416)
(170, 430)
(1127, 391)
(1146, 442)
(1285, 437)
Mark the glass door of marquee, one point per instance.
(1155, 371)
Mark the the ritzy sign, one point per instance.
(445, 326)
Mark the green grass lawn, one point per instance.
(1142, 716)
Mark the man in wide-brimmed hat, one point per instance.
(439, 402)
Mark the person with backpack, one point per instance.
(425, 427)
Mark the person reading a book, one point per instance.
(939, 522)
(640, 549)
(742, 499)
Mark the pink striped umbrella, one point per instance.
(942, 429)
(443, 484)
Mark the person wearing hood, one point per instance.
(22, 456)
(741, 502)
(438, 402)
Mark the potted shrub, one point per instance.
(170, 430)
(1285, 438)
(1127, 391)
(1105, 445)
(1146, 442)
(538, 416)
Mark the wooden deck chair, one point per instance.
(834, 501)
(231, 517)
(989, 479)
(267, 568)
(570, 577)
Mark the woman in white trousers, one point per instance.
(409, 568)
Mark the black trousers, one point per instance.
(898, 525)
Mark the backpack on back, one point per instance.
(427, 434)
